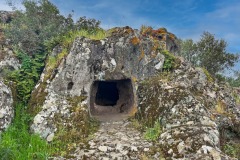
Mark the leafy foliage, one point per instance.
(169, 62)
(87, 24)
(189, 51)
(28, 75)
(209, 53)
(41, 21)
(234, 81)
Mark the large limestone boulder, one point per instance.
(8, 63)
(6, 106)
(101, 73)
(121, 76)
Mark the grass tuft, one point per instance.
(153, 133)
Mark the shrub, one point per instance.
(169, 62)
(39, 22)
(27, 76)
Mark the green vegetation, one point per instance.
(209, 76)
(153, 133)
(209, 53)
(17, 143)
(67, 39)
(40, 21)
(34, 33)
(235, 80)
(169, 62)
(232, 149)
(27, 76)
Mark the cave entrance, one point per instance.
(107, 94)
(112, 99)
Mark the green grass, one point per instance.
(232, 149)
(153, 133)
(68, 38)
(17, 143)
(4, 25)
(66, 42)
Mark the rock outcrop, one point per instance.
(8, 63)
(6, 106)
(129, 73)
(6, 16)
(119, 61)
(192, 111)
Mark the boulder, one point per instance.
(103, 74)
(6, 16)
(131, 73)
(6, 106)
(8, 63)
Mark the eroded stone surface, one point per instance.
(116, 140)
(184, 101)
(8, 63)
(186, 105)
(113, 58)
(6, 106)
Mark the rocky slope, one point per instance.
(116, 140)
(143, 79)
(192, 111)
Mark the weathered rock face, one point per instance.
(6, 106)
(6, 16)
(191, 111)
(114, 63)
(120, 76)
(8, 63)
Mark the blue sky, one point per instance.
(184, 18)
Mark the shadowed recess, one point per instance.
(110, 99)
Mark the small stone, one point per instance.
(50, 137)
(38, 119)
(91, 151)
(1, 115)
(170, 151)
(113, 62)
(124, 152)
(119, 147)
(134, 148)
(146, 149)
(124, 138)
(103, 148)
(181, 147)
(92, 143)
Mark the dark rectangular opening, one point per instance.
(107, 94)
(111, 98)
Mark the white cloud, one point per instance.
(4, 6)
